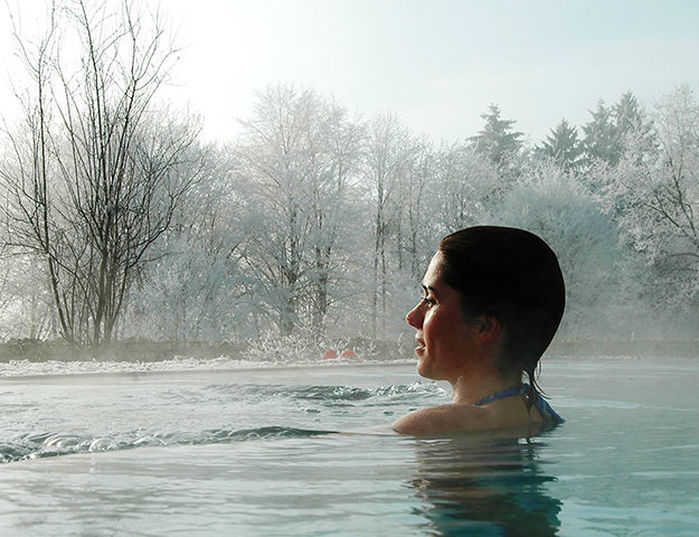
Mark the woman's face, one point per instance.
(444, 338)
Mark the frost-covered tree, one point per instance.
(607, 133)
(334, 214)
(634, 127)
(628, 115)
(194, 290)
(388, 157)
(558, 207)
(655, 197)
(466, 188)
(601, 141)
(299, 154)
(497, 140)
(563, 147)
(95, 175)
(26, 309)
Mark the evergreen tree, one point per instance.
(602, 140)
(628, 115)
(654, 196)
(608, 133)
(563, 146)
(633, 126)
(496, 140)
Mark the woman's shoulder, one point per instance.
(442, 419)
(465, 417)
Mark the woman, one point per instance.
(492, 300)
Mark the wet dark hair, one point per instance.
(514, 276)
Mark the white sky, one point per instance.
(437, 63)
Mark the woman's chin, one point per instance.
(422, 366)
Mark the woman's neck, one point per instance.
(472, 388)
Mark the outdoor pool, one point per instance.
(242, 451)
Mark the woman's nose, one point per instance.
(414, 317)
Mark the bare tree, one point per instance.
(416, 227)
(388, 154)
(300, 152)
(467, 187)
(104, 170)
(333, 216)
(194, 289)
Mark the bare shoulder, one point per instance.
(442, 419)
(464, 417)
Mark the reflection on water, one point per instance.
(484, 487)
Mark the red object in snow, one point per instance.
(329, 354)
(349, 353)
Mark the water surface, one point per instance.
(252, 452)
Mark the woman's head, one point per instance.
(513, 276)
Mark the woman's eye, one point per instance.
(428, 300)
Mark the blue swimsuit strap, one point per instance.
(548, 413)
(512, 390)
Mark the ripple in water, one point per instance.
(35, 446)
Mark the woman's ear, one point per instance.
(488, 329)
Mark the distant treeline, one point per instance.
(119, 222)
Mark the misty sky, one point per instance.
(437, 63)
